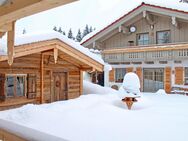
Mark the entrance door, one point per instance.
(60, 86)
(153, 80)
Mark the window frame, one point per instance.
(15, 85)
(145, 33)
(163, 39)
(119, 80)
(185, 75)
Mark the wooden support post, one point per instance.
(2, 34)
(81, 82)
(55, 55)
(10, 43)
(42, 79)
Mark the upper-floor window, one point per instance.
(163, 37)
(142, 39)
(186, 76)
(119, 74)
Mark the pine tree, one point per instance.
(64, 33)
(55, 28)
(70, 35)
(86, 31)
(79, 36)
(60, 30)
(91, 29)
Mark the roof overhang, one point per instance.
(12, 10)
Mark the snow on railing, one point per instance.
(25, 132)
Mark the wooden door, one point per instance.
(60, 86)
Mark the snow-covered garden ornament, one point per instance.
(130, 89)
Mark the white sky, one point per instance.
(97, 13)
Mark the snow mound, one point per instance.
(161, 91)
(90, 88)
(130, 86)
(131, 83)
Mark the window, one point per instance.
(163, 37)
(119, 74)
(142, 39)
(186, 76)
(15, 85)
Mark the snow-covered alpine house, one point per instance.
(151, 41)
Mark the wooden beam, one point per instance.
(81, 82)
(174, 22)
(2, 34)
(55, 55)
(6, 27)
(77, 55)
(149, 18)
(123, 29)
(10, 43)
(16, 9)
(42, 79)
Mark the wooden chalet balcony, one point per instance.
(146, 53)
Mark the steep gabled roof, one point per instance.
(94, 34)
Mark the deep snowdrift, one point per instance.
(103, 117)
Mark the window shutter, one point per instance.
(179, 75)
(31, 86)
(129, 70)
(2, 87)
(112, 75)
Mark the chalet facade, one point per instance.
(46, 68)
(151, 41)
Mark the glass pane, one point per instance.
(10, 86)
(20, 86)
(186, 72)
(163, 37)
(120, 73)
(143, 39)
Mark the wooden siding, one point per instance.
(167, 81)
(120, 40)
(74, 84)
(140, 75)
(112, 75)
(179, 75)
(7, 136)
(129, 70)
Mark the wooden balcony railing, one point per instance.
(152, 53)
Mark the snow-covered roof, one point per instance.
(174, 5)
(48, 35)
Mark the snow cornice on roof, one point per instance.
(91, 36)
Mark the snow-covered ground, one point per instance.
(103, 117)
